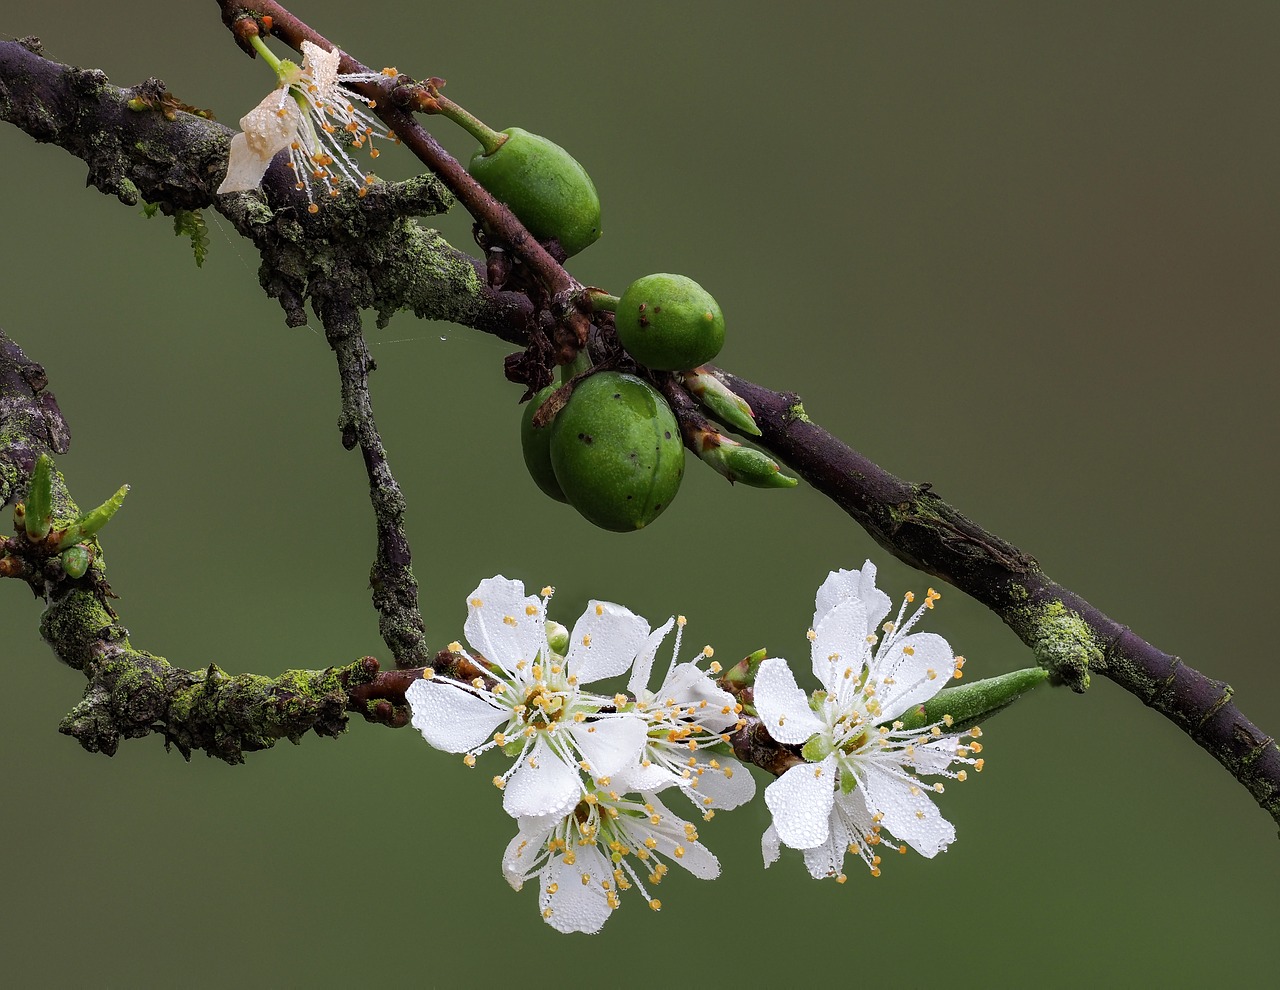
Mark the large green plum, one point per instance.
(616, 451)
(544, 186)
(536, 446)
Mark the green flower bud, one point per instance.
(535, 444)
(76, 560)
(738, 463)
(38, 518)
(542, 184)
(723, 403)
(616, 451)
(744, 671)
(969, 704)
(669, 322)
(557, 637)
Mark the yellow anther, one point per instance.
(715, 667)
(499, 783)
(655, 904)
(477, 603)
(469, 759)
(428, 673)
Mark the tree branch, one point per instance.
(183, 157)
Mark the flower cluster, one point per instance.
(863, 765)
(585, 767)
(310, 114)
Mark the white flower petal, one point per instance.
(840, 648)
(800, 801)
(674, 844)
(570, 904)
(907, 812)
(852, 808)
(610, 745)
(841, 586)
(728, 786)
(266, 130)
(450, 718)
(604, 641)
(650, 778)
(322, 67)
(827, 859)
(544, 785)
(936, 756)
(783, 707)
(507, 626)
(639, 680)
(524, 852)
(690, 685)
(908, 663)
(770, 846)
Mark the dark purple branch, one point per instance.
(1069, 636)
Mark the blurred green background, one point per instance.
(1026, 252)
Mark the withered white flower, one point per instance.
(308, 115)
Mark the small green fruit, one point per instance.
(536, 446)
(544, 186)
(669, 323)
(616, 451)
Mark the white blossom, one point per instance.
(308, 115)
(605, 845)
(531, 702)
(863, 769)
(689, 720)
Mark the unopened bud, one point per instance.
(739, 463)
(76, 560)
(972, 703)
(557, 637)
(721, 401)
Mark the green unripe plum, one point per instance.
(536, 446)
(544, 186)
(616, 451)
(669, 323)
